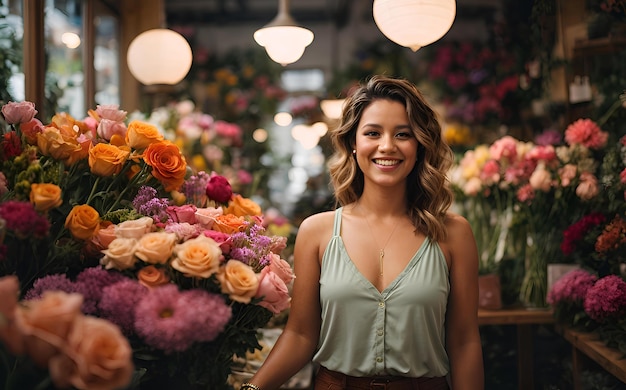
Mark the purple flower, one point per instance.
(90, 283)
(252, 247)
(571, 287)
(549, 137)
(57, 282)
(118, 303)
(168, 319)
(606, 299)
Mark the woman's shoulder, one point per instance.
(318, 222)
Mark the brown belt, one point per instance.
(326, 379)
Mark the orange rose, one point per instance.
(83, 222)
(241, 206)
(45, 196)
(152, 276)
(98, 357)
(107, 160)
(168, 164)
(229, 223)
(10, 335)
(140, 135)
(238, 280)
(52, 143)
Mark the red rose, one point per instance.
(218, 189)
(11, 145)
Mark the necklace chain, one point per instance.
(381, 253)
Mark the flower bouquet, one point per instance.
(181, 265)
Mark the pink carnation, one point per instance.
(606, 299)
(504, 148)
(587, 133)
(571, 287)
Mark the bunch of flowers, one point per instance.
(583, 300)
(181, 263)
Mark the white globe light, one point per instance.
(284, 44)
(414, 23)
(159, 56)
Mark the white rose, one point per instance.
(120, 254)
(134, 229)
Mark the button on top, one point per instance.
(381, 304)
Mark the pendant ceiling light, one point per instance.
(414, 23)
(282, 38)
(159, 56)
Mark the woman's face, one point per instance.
(386, 149)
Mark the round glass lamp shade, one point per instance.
(414, 23)
(284, 44)
(159, 56)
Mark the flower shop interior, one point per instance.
(214, 139)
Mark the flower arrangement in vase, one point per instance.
(174, 260)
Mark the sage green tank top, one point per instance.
(399, 331)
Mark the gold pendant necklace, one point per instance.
(381, 253)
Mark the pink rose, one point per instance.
(281, 268)
(105, 235)
(99, 357)
(206, 216)
(46, 322)
(504, 148)
(279, 243)
(567, 174)
(223, 239)
(111, 112)
(184, 213)
(274, 292)
(218, 189)
(15, 113)
(108, 128)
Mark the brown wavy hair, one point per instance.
(427, 192)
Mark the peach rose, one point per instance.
(105, 235)
(99, 357)
(281, 268)
(541, 180)
(45, 196)
(184, 213)
(274, 292)
(241, 206)
(238, 280)
(198, 257)
(120, 254)
(46, 322)
(139, 135)
(61, 147)
(229, 223)
(156, 247)
(107, 160)
(168, 164)
(588, 187)
(151, 276)
(9, 333)
(83, 222)
(135, 228)
(30, 130)
(206, 216)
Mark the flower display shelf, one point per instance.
(590, 346)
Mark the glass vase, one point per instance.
(541, 249)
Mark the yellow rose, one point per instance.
(61, 147)
(45, 196)
(140, 135)
(242, 207)
(134, 228)
(238, 280)
(106, 160)
(168, 164)
(83, 222)
(156, 247)
(198, 257)
(229, 223)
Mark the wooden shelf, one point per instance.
(612, 360)
(596, 46)
(515, 316)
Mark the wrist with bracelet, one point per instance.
(249, 386)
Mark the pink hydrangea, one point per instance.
(587, 133)
(606, 300)
(571, 287)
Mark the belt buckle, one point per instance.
(381, 384)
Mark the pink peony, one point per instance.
(587, 133)
(571, 287)
(15, 113)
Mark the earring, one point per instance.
(353, 151)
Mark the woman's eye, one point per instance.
(404, 135)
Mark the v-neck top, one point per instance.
(399, 331)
